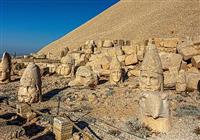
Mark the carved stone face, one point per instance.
(30, 85)
(84, 77)
(115, 75)
(66, 69)
(28, 94)
(150, 81)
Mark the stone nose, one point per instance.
(148, 81)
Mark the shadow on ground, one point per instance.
(47, 96)
(82, 125)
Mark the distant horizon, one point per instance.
(28, 26)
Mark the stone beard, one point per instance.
(30, 89)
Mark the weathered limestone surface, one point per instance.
(192, 80)
(188, 52)
(115, 51)
(131, 59)
(140, 51)
(170, 77)
(64, 52)
(181, 81)
(170, 60)
(108, 43)
(115, 71)
(155, 110)
(66, 67)
(153, 102)
(196, 61)
(84, 77)
(62, 128)
(129, 49)
(30, 90)
(151, 77)
(166, 44)
(5, 68)
(89, 47)
(134, 72)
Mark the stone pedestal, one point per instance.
(62, 128)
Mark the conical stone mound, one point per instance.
(135, 20)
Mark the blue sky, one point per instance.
(28, 25)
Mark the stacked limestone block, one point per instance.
(180, 59)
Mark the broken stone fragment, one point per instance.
(140, 51)
(188, 52)
(170, 60)
(108, 43)
(121, 58)
(89, 46)
(131, 59)
(183, 65)
(192, 80)
(134, 72)
(181, 81)
(115, 51)
(129, 49)
(170, 77)
(196, 61)
(166, 42)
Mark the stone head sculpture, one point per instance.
(89, 47)
(5, 68)
(30, 89)
(84, 77)
(115, 71)
(66, 65)
(154, 104)
(151, 77)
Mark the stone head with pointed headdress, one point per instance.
(115, 71)
(151, 77)
(30, 89)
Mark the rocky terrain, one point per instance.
(131, 73)
(110, 112)
(135, 20)
(103, 108)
